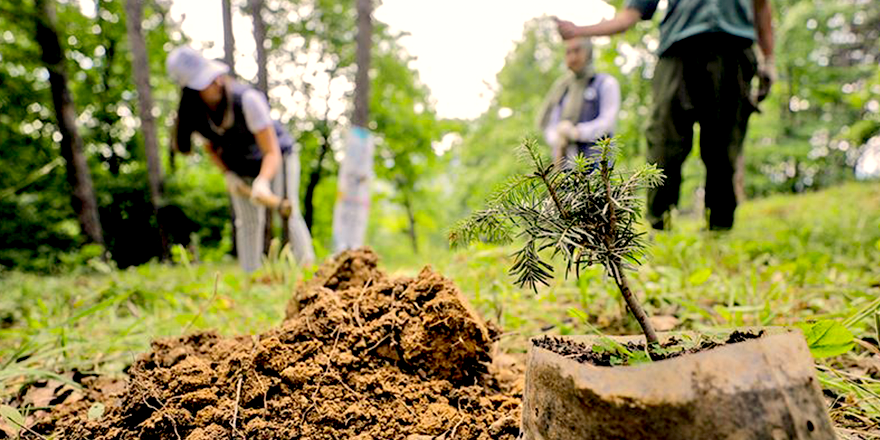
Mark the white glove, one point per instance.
(568, 131)
(260, 189)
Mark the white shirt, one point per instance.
(256, 111)
(603, 125)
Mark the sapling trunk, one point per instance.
(614, 263)
(633, 303)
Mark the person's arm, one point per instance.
(267, 140)
(550, 134)
(609, 107)
(259, 122)
(767, 62)
(764, 27)
(621, 22)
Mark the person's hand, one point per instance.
(567, 29)
(260, 190)
(766, 77)
(567, 131)
(234, 184)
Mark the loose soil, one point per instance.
(361, 355)
(674, 347)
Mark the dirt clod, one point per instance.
(360, 355)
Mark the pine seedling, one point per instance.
(586, 214)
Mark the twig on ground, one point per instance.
(357, 304)
(376, 345)
(321, 379)
(237, 404)
(242, 374)
(173, 422)
(27, 429)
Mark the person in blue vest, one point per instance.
(581, 107)
(246, 144)
(703, 75)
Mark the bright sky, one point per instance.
(460, 44)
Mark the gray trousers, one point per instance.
(250, 219)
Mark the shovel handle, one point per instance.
(273, 202)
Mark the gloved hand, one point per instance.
(766, 77)
(234, 184)
(567, 131)
(260, 189)
(558, 145)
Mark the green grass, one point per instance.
(790, 259)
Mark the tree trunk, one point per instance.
(262, 85)
(228, 37)
(78, 175)
(114, 161)
(260, 39)
(361, 115)
(411, 218)
(314, 179)
(141, 69)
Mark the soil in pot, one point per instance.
(609, 353)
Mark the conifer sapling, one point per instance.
(586, 214)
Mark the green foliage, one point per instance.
(827, 338)
(586, 214)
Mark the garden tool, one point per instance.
(272, 201)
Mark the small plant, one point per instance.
(586, 215)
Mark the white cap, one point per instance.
(190, 69)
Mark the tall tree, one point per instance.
(78, 175)
(228, 36)
(260, 39)
(351, 211)
(263, 85)
(141, 68)
(362, 80)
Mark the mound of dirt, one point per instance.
(360, 356)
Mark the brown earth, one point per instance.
(360, 356)
(607, 357)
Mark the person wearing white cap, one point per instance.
(244, 142)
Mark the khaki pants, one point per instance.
(706, 80)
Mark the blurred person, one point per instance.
(581, 107)
(246, 144)
(703, 75)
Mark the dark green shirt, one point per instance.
(686, 18)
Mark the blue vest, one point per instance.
(592, 98)
(237, 146)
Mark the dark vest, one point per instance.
(590, 110)
(237, 146)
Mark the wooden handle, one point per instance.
(273, 202)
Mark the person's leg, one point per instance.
(300, 238)
(250, 221)
(724, 109)
(670, 137)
